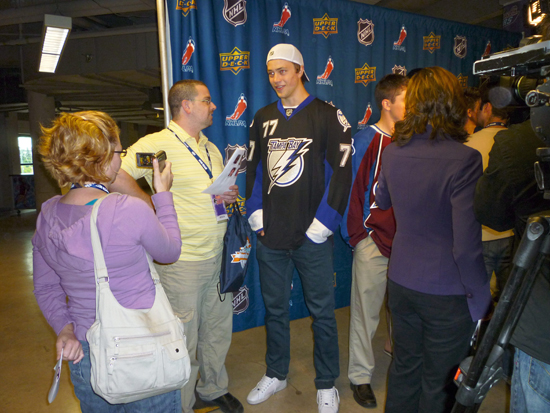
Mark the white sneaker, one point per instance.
(266, 388)
(328, 400)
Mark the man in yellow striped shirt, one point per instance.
(191, 282)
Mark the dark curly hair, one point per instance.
(434, 97)
(79, 147)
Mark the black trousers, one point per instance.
(431, 335)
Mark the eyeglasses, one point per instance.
(122, 152)
(208, 101)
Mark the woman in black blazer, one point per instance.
(438, 287)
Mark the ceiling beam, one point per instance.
(76, 8)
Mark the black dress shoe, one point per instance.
(227, 403)
(363, 395)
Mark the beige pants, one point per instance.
(191, 287)
(368, 288)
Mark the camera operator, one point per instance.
(505, 196)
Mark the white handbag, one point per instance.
(134, 354)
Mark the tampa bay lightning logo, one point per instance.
(285, 160)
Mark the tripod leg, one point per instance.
(533, 243)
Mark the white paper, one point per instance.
(229, 174)
(55, 385)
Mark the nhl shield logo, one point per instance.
(399, 70)
(234, 12)
(241, 300)
(460, 46)
(230, 149)
(365, 32)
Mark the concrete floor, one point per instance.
(27, 349)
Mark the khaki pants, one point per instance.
(191, 287)
(368, 288)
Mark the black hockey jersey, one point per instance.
(298, 173)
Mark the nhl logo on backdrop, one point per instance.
(432, 42)
(365, 32)
(187, 54)
(233, 119)
(278, 26)
(241, 300)
(186, 5)
(325, 26)
(234, 12)
(235, 60)
(399, 70)
(487, 51)
(460, 47)
(397, 45)
(230, 149)
(365, 74)
(323, 78)
(363, 123)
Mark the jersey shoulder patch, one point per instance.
(342, 119)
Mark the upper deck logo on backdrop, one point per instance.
(323, 79)
(397, 45)
(233, 119)
(235, 61)
(399, 70)
(278, 26)
(461, 46)
(487, 51)
(363, 123)
(188, 52)
(234, 12)
(432, 42)
(325, 26)
(365, 74)
(186, 5)
(463, 80)
(365, 31)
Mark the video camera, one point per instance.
(529, 67)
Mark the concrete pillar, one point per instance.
(41, 111)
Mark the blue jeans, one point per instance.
(497, 255)
(92, 403)
(530, 392)
(314, 265)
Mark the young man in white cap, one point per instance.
(298, 182)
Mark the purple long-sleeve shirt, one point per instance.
(63, 259)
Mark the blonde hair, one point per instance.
(79, 147)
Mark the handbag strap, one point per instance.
(100, 268)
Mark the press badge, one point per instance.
(219, 208)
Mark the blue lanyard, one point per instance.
(496, 124)
(197, 157)
(91, 185)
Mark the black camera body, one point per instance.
(531, 61)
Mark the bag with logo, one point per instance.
(236, 249)
(134, 354)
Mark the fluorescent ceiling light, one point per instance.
(56, 30)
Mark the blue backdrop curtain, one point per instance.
(346, 46)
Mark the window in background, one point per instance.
(25, 155)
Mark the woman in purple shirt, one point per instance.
(437, 287)
(83, 150)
